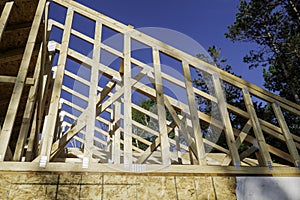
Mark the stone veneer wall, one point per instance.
(93, 186)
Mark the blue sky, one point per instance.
(205, 21)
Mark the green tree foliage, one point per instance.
(275, 27)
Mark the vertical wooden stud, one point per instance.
(20, 81)
(127, 101)
(226, 120)
(177, 139)
(49, 126)
(161, 111)
(90, 126)
(263, 150)
(117, 132)
(41, 81)
(4, 16)
(194, 114)
(286, 133)
(32, 147)
(28, 113)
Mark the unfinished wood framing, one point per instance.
(127, 101)
(28, 113)
(286, 133)
(161, 111)
(95, 131)
(265, 155)
(226, 120)
(4, 16)
(49, 127)
(194, 115)
(116, 152)
(19, 84)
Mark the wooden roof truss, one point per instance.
(64, 129)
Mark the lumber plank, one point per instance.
(183, 129)
(90, 126)
(12, 79)
(197, 133)
(161, 111)
(32, 147)
(45, 69)
(49, 127)
(4, 16)
(266, 126)
(116, 128)
(127, 101)
(59, 144)
(28, 113)
(173, 52)
(226, 120)
(153, 169)
(19, 85)
(287, 135)
(179, 154)
(267, 161)
(149, 92)
(243, 134)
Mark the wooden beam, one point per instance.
(173, 52)
(152, 169)
(73, 32)
(183, 128)
(205, 118)
(44, 71)
(286, 133)
(155, 144)
(80, 123)
(267, 161)
(178, 122)
(28, 113)
(197, 133)
(116, 124)
(116, 154)
(32, 147)
(99, 119)
(161, 111)
(45, 91)
(243, 134)
(4, 16)
(12, 79)
(19, 85)
(127, 101)
(266, 126)
(90, 126)
(80, 58)
(177, 139)
(226, 120)
(49, 127)
(249, 151)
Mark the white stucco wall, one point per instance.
(268, 188)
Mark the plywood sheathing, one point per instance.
(110, 186)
